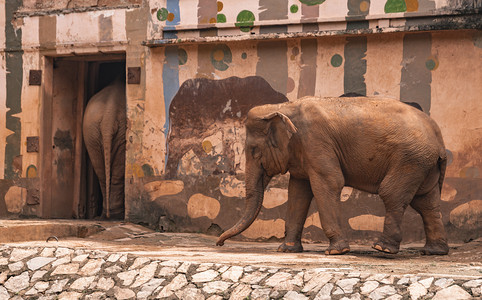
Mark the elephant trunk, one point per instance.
(255, 186)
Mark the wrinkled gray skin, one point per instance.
(104, 130)
(375, 145)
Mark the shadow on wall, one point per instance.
(205, 107)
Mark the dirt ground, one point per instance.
(463, 259)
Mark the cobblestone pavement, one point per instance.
(81, 269)
(67, 273)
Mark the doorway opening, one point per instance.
(70, 187)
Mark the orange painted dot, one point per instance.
(412, 5)
(207, 146)
(212, 20)
(364, 6)
(170, 17)
(220, 6)
(218, 55)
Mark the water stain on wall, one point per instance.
(273, 64)
(14, 78)
(202, 102)
(416, 77)
(307, 81)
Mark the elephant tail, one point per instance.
(442, 165)
(107, 142)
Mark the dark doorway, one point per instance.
(100, 74)
(70, 188)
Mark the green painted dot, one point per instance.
(245, 20)
(431, 64)
(182, 56)
(221, 57)
(393, 6)
(162, 14)
(221, 18)
(294, 8)
(312, 2)
(336, 60)
(244, 55)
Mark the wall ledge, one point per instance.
(414, 23)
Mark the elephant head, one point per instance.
(268, 134)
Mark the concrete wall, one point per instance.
(185, 140)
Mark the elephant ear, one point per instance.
(290, 127)
(279, 131)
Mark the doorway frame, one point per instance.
(46, 135)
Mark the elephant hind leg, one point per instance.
(428, 207)
(396, 192)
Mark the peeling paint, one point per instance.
(367, 222)
(468, 215)
(346, 193)
(313, 220)
(15, 199)
(265, 229)
(274, 197)
(230, 186)
(200, 205)
(157, 189)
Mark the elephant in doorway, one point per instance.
(104, 130)
(376, 145)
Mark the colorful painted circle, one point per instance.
(207, 146)
(162, 14)
(364, 6)
(212, 20)
(290, 85)
(218, 55)
(244, 55)
(294, 8)
(336, 60)
(393, 6)
(412, 5)
(220, 6)
(221, 56)
(312, 2)
(31, 171)
(245, 20)
(431, 63)
(170, 17)
(182, 56)
(221, 18)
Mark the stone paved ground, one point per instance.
(70, 273)
(130, 267)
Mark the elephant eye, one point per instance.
(255, 152)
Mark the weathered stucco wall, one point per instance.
(185, 140)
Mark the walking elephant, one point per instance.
(380, 146)
(104, 130)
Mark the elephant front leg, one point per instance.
(327, 190)
(299, 199)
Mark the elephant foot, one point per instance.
(386, 246)
(436, 248)
(338, 248)
(290, 247)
